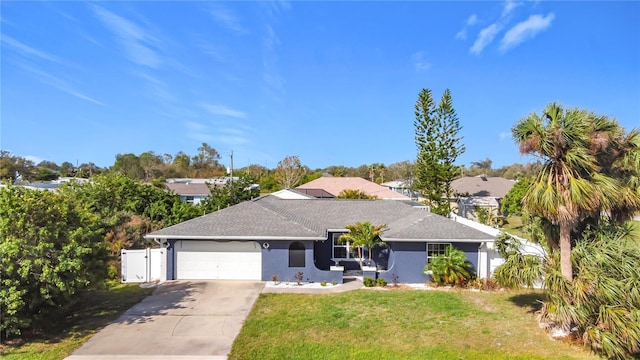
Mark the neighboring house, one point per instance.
(326, 187)
(191, 193)
(272, 237)
(52, 185)
(402, 187)
(195, 190)
(479, 192)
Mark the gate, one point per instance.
(143, 265)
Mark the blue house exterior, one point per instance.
(297, 240)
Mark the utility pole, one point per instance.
(231, 168)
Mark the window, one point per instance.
(344, 250)
(435, 249)
(296, 254)
(190, 199)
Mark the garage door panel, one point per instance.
(234, 260)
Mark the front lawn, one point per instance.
(398, 324)
(96, 311)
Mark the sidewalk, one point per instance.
(348, 285)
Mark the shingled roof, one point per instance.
(335, 185)
(272, 218)
(482, 186)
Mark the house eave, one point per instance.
(224, 237)
(437, 240)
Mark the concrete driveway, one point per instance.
(181, 319)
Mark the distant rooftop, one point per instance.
(335, 185)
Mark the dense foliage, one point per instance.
(511, 204)
(51, 248)
(589, 184)
(234, 192)
(603, 301)
(450, 268)
(53, 245)
(590, 166)
(437, 138)
(518, 270)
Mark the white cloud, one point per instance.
(224, 111)
(462, 34)
(525, 30)
(137, 42)
(227, 19)
(29, 51)
(509, 6)
(230, 140)
(58, 83)
(472, 20)
(273, 79)
(419, 61)
(485, 37)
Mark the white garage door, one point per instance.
(212, 260)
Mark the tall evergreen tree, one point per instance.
(436, 135)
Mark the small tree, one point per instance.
(289, 172)
(511, 204)
(450, 268)
(363, 234)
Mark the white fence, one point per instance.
(143, 265)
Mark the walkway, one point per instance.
(349, 284)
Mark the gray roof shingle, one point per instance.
(269, 217)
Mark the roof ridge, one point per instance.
(290, 216)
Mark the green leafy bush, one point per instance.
(323, 283)
(381, 282)
(450, 268)
(369, 281)
(51, 249)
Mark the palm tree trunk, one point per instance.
(565, 251)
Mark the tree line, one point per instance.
(152, 167)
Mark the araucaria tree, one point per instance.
(437, 138)
(590, 167)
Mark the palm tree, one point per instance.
(363, 234)
(578, 150)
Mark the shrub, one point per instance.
(382, 282)
(323, 283)
(450, 268)
(299, 276)
(369, 281)
(519, 271)
(334, 283)
(50, 251)
(603, 301)
(395, 280)
(274, 278)
(488, 284)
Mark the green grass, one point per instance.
(98, 309)
(514, 226)
(398, 324)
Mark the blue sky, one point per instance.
(332, 82)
